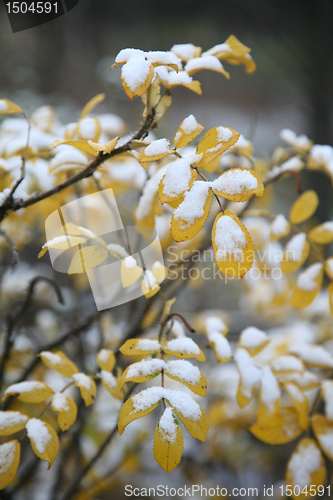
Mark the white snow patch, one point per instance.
(249, 373)
(215, 324)
(167, 426)
(183, 344)
(252, 337)
(189, 125)
(135, 72)
(145, 368)
(3, 105)
(183, 370)
(223, 134)
(39, 433)
(235, 182)
(118, 249)
(54, 359)
(303, 464)
(287, 364)
(203, 62)
(269, 389)
(11, 418)
(149, 279)
(279, 225)
(108, 379)
(7, 456)
(88, 128)
(313, 354)
(307, 279)
(178, 177)
(24, 387)
(148, 195)
(148, 345)
(82, 380)
(192, 208)
(221, 344)
(327, 391)
(158, 147)
(130, 262)
(230, 239)
(295, 247)
(59, 402)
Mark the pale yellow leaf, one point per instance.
(87, 258)
(10, 458)
(238, 184)
(187, 132)
(129, 275)
(140, 347)
(66, 408)
(307, 286)
(9, 107)
(304, 207)
(103, 148)
(214, 143)
(329, 268)
(44, 439)
(300, 403)
(29, 392)
(156, 150)
(323, 430)
(167, 308)
(60, 362)
(91, 104)
(280, 429)
(87, 387)
(11, 422)
(174, 198)
(106, 359)
(61, 243)
(295, 254)
(168, 447)
(159, 271)
(79, 144)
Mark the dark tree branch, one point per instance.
(12, 246)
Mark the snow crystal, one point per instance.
(295, 247)
(177, 177)
(235, 182)
(168, 426)
(215, 324)
(189, 125)
(147, 398)
(327, 390)
(313, 354)
(279, 225)
(307, 279)
(3, 105)
(108, 379)
(192, 208)
(252, 337)
(7, 455)
(88, 128)
(149, 280)
(287, 363)
(304, 463)
(184, 50)
(183, 370)
(158, 147)
(183, 403)
(221, 344)
(54, 359)
(135, 72)
(223, 134)
(59, 402)
(114, 247)
(24, 387)
(204, 62)
(148, 195)
(183, 344)
(130, 262)
(145, 367)
(11, 418)
(269, 389)
(82, 380)
(39, 433)
(250, 374)
(229, 239)
(148, 345)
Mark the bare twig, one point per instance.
(12, 246)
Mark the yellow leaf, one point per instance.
(280, 227)
(168, 441)
(197, 428)
(140, 347)
(214, 143)
(91, 104)
(253, 340)
(142, 371)
(79, 144)
(238, 184)
(130, 272)
(61, 243)
(329, 267)
(184, 348)
(29, 392)
(11, 422)
(269, 396)
(330, 296)
(159, 271)
(188, 130)
(199, 387)
(129, 412)
(87, 387)
(104, 148)
(306, 468)
(212, 166)
(156, 150)
(282, 428)
(322, 234)
(87, 258)
(178, 179)
(66, 409)
(9, 107)
(304, 207)
(111, 384)
(237, 53)
(149, 291)
(58, 361)
(10, 458)
(162, 106)
(295, 254)
(73, 229)
(323, 430)
(189, 218)
(186, 51)
(300, 403)
(44, 440)
(136, 88)
(167, 308)
(308, 286)
(106, 359)
(206, 61)
(233, 246)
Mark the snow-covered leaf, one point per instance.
(323, 430)
(322, 234)
(11, 422)
(60, 362)
(238, 184)
(295, 254)
(66, 408)
(79, 144)
(178, 179)
(9, 107)
(308, 285)
(138, 406)
(10, 453)
(106, 359)
(44, 439)
(140, 347)
(87, 387)
(188, 130)
(29, 392)
(168, 441)
(214, 143)
(184, 347)
(130, 272)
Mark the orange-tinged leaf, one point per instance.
(91, 104)
(189, 218)
(168, 441)
(323, 430)
(188, 130)
(295, 254)
(304, 207)
(29, 392)
(280, 429)
(130, 272)
(58, 361)
(79, 144)
(306, 467)
(10, 458)
(178, 179)
(11, 422)
(233, 246)
(9, 107)
(103, 148)
(87, 258)
(322, 234)
(308, 286)
(136, 86)
(66, 408)
(106, 359)
(87, 387)
(130, 412)
(300, 403)
(156, 150)
(140, 347)
(238, 184)
(214, 143)
(44, 439)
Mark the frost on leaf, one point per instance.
(238, 184)
(9, 461)
(66, 408)
(178, 179)
(43, 439)
(168, 441)
(306, 467)
(304, 207)
(59, 362)
(188, 130)
(295, 254)
(308, 285)
(214, 143)
(189, 218)
(29, 392)
(87, 387)
(232, 243)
